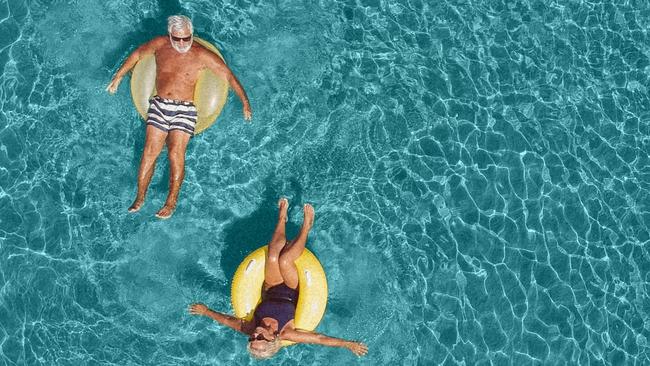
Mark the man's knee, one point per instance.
(177, 163)
(151, 152)
(176, 152)
(176, 177)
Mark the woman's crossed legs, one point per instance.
(281, 256)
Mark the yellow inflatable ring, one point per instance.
(247, 288)
(210, 92)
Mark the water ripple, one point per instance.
(480, 173)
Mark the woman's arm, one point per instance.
(301, 336)
(237, 324)
(145, 49)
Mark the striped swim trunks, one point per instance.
(169, 115)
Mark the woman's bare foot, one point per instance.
(308, 220)
(283, 205)
(165, 212)
(137, 204)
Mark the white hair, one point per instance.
(178, 23)
(269, 349)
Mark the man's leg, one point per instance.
(176, 146)
(153, 144)
(292, 251)
(272, 275)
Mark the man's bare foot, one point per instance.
(165, 212)
(137, 204)
(308, 219)
(283, 205)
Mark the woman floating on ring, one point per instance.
(273, 319)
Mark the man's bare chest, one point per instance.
(171, 63)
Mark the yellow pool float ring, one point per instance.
(247, 289)
(210, 92)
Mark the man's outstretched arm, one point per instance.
(145, 49)
(216, 65)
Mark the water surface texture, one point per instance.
(479, 170)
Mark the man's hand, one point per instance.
(198, 309)
(247, 112)
(357, 348)
(112, 87)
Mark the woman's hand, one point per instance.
(198, 309)
(357, 348)
(237, 324)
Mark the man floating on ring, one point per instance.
(172, 115)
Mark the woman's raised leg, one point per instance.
(272, 275)
(292, 251)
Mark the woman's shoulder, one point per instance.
(248, 326)
(288, 328)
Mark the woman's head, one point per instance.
(263, 343)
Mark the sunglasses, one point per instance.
(178, 39)
(260, 337)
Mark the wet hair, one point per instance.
(270, 349)
(179, 22)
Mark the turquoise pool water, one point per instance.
(479, 170)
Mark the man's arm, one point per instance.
(216, 65)
(237, 324)
(145, 49)
(301, 336)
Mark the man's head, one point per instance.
(180, 32)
